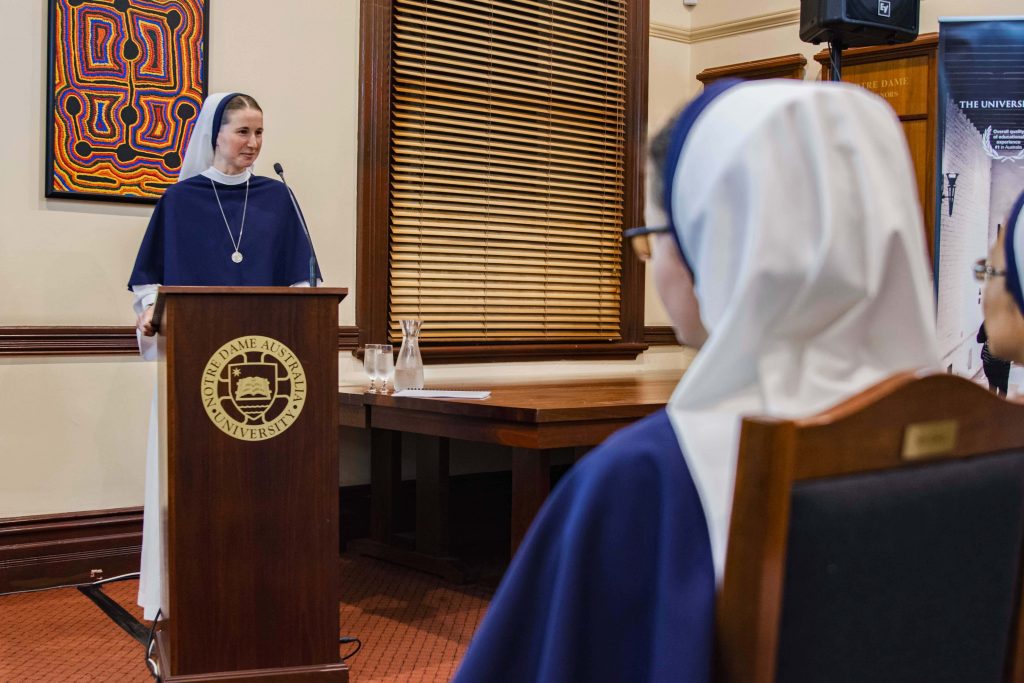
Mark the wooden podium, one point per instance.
(249, 456)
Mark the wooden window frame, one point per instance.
(372, 238)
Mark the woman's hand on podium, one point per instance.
(145, 322)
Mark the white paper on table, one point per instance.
(442, 393)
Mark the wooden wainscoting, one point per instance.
(63, 340)
(54, 550)
(120, 341)
(787, 66)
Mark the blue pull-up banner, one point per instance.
(980, 171)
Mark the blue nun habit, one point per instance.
(187, 242)
(615, 579)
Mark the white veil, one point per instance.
(199, 152)
(198, 158)
(796, 207)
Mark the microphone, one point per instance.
(279, 170)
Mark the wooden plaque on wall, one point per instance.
(788, 66)
(906, 76)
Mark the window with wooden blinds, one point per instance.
(512, 168)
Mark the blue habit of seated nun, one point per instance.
(218, 225)
(1003, 298)
(787, 242)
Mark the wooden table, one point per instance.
(533, 419)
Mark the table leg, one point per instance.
(531, 482)
(432, 522)
(385, 482)
(430, 554)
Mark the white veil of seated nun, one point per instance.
(794, 205)
(210, 228)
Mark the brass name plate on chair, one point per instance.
(929, 439)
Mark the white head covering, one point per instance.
(796, 207)
(199, 153)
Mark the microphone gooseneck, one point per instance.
(279, 170)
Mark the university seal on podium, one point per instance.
(253, 388)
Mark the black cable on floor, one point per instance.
(119, 615)
(345, 641)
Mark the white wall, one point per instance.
(72, 431)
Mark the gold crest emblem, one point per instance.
(253, 388)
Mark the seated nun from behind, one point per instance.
(218, 225)
(788, 244)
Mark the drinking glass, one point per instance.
(371, 353)
(386, 368)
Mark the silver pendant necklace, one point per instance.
(236, 256)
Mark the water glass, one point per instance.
(371, 354)
(386, 367)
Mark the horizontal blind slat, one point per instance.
(416, 98)
(457, 82)
(555, 12)
(553, 29)
(420, 48)
(415, 34)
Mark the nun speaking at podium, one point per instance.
(788, 245)
(218, 225)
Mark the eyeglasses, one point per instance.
(983, 271)
(639, 239)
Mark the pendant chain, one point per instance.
(237, 255)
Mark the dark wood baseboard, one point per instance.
(45, 551)
(661, 335)
(98, 341)
(66, 549)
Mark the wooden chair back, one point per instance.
(880, 540)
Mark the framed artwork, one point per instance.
(125, 82)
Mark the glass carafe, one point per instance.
(409, 366)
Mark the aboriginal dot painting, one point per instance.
(127, 79)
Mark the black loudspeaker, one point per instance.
(855, 23)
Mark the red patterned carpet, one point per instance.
(414, 629)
